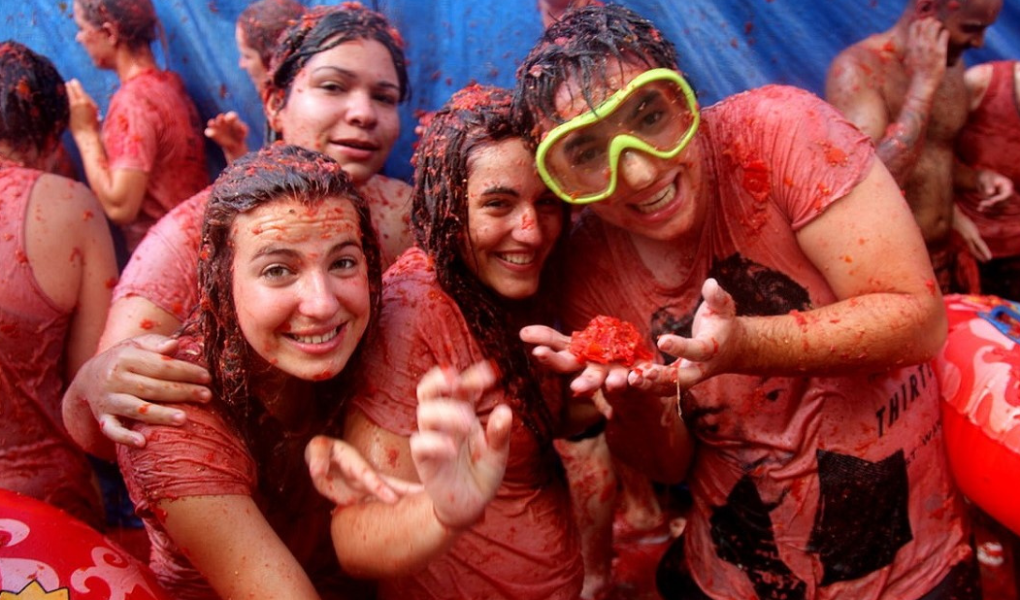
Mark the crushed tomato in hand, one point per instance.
(609, 340)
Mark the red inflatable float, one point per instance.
(44, 553)
(979, 370)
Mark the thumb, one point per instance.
(497, 430)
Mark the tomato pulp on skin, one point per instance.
(609, 340)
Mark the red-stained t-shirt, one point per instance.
(803, 487)
(526, 547)
(164, 267)
(153, 126)
(37, 457)
(206, 456)
(991, 140)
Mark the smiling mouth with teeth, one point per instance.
(663, 198)
(518, 259)
(315, 339)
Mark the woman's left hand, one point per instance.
(342, 474)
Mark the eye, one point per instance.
(331, 86)
(585, 155)
(549, 202)
(347, 264)
(495, 203)
(276, 272)
(389, 99)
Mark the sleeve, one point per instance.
(420, 327)
(164, 267)
(200, 458)
(795, 148)
(131, 129)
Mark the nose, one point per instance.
(637, 169)
(317, 297)
(361, 110)
(526, 229)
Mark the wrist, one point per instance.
(447, 526)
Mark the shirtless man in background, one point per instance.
(904, 87)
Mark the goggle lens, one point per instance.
(658, 115)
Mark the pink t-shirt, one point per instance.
(164, 267)
(37, 457)
(526, 547)
(991, 140)
(803, 487)
(206, 456)
(153, 126)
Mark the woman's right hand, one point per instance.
(132, 380)
(460, 463)
(230, 133)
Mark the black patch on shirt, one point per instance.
(862, 517)
(742, 534)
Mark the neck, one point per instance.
(131, 62)
(22, 159)
(283, 395)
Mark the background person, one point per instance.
(54, 292)
(149, 154)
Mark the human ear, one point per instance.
(924, 8)
(272, 105)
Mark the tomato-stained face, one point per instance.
(513, 219)
(301, 289)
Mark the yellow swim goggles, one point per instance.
(655, 113)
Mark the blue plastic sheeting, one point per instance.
(725, 46)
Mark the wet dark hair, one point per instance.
(33, 101)
(135, 20)
(277, 172)
(584, 45)
(326, 27)
(473, 117)
(263, 21)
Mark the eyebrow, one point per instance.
(500, 190)
(273, 250)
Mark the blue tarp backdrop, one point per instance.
(725, 46)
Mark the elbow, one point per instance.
(936, 330)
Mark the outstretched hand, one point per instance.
(552, 350)
(341, 474)
(708, 352)
(131, 380)
(460, 464)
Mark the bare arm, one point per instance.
(855, 86)
(71, 253)
(889, 312)
(230, 542)
(120, 191)
(383, 540)
(130, 378)
(459, 463)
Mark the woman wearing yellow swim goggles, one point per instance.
(655, 113)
